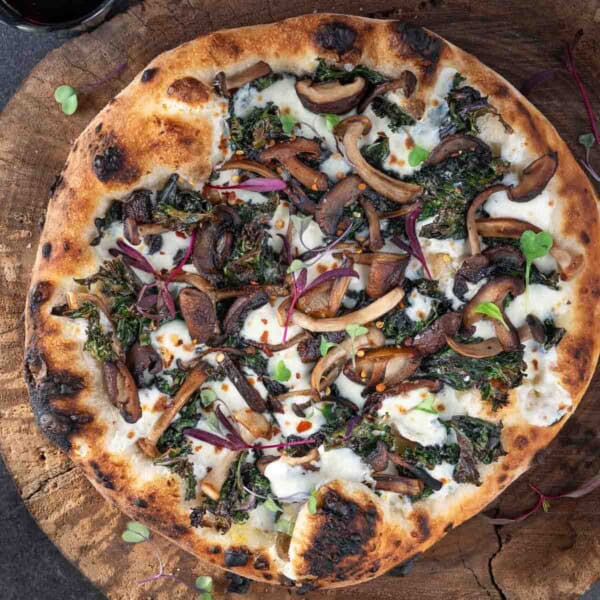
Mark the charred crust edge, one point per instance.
(149, 74)
(336, 36)
(420, 42)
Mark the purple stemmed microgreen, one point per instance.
(232, 439)
(414, 246)
(136, 533)
(300, 287)
(316, 254)
(257, 184)
(543, 501)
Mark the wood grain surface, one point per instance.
(550, 556)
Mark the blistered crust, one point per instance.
(160, 124)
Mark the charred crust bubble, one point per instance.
(236, 557)
(47, 250)
(420, 42)
(44, 386)
(56, 185)
(345, 530)
(103, 478)
(189, 90)
(261, 563)
(140, 503)
(39, 294)
(237, 584)
(336, 36)
(108, 163)
(148, 74)
(423, 531)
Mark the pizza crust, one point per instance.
(161, 124)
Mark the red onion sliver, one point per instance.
(258, 184)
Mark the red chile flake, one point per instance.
(303, 426)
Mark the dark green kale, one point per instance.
(492, 376)
(399, 326)
(364, 437)
(130, 326)
(114, 214)
(98, 343)
(252, 132)
(179, 208)
(234, 500)
(553, 334)
(325, 72)
(385, 109)
(430, 456)
(449, 188)
(262, 83)
(114, 279)
(249, 213)
(377, 152)
(177, 462)
(168, 382)
(465, 106)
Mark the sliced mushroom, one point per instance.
(407, 82)
(433, 338)
(535, 178)
(199, 313)
(378, 459)
(419, 473)
(483, 349)
(349, 132)
(479, 200)
(333, 97)
(254, 422)
(388, 366)
(433, 385)
(298, 197)
(227, 84)
(252, 166)
(75, 300)
(330, 209)
(315, 302)
(131, 231)
(362, 316)
(264, 461)
(330, 366)
(456, 144)
(249, 393)
(194, 379)
(211, 485)
(398, 484)
(386, 272)
(375, 238)
(532, 329)
(310, 456)
(121, 389)
(141, 360)
(287, 153)
(240, 308)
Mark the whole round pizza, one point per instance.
(311, 294)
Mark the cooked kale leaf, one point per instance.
(113, 215)
(397, 117)
(552, 333)
(252, 132)
(376, 153)
(325, 72)
(431, 456)
(98, 343)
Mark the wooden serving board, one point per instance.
(553, 556)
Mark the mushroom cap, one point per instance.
(332, 97)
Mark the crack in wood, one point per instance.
(43, 485)
(472, 571)
(491, 561)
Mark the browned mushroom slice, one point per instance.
(211, 485)
(77, 299)
(532, 329)
(199, 313)
(310, 456)
(331, 206)
(194, 379)
(142, 360)
(535, 178)
(299, 198)
(349, 132)
(362, 316)
(398, 484)
(433, 385)
(240, 308)
(419, 473)
(386, 272)
(483, 349)
(287, 153)
(121, 390)
(378, 458)
(333, 97)
(131, 231)
(254, 422)
(316, 301)
(407, 82)
(328, 367)
(375, 238)
(479, 200)
(389, 365)
(227, 84)
(249, 393)
(433, 338)
(456, 144)
(252, 166)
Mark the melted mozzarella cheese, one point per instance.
(538, 211)
(300, 372)
(444, 473)
(336, 167)
(419, 306)
(261, 325)
(541, 301)
(172, 340)
(292, 424)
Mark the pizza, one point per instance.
(311, 294)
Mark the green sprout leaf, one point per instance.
(326, 346)
(295, 266)
(311, 504)
(271, 505)
(354, 330)
(587, 140)
(489, 309)
(417, 155)
(285, 525)
(66, 96)
(135, 533)
(287, 123)
(204, 583)
(331, 120)
(207, 397)
(282, 373)
(534, 245)
(427, 406)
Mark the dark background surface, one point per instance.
(31, 568)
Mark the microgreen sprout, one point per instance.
(325, 346)
(284, 525)
(66, 96)
(427, 405)
(331, 120)
(207, 396)
(271, 505)
(534, 245)
(136, 533)
(417, 155)
(295, 266)
(282, 373)
(311, 503)
(354, 330)
(288, 122)
(491, 310)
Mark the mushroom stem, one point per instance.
(483, 349)
(254, 422)
(211, 485)
(479, 200)
(313, 454)
(251, 166)
(194, 379)
(398, 484)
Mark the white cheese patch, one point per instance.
(229, 394)
(261, 325)
(419, 306)
(172, 340)
(335, 167)
(538, 211)
(444, 474)
(292, 424)
(541, 301)
(300, 372)
(350, 390)
(450, 402)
